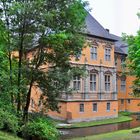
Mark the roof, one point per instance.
(120, 46)
(94, 28)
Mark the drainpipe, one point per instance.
(100, 79)
(85, 79)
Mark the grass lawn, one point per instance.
(118, 135)
(7, 136)
(121, 118)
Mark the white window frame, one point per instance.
(93, 53)
(77, 82)
(123, 84)
(93, 82)
(107, 81)
(107, 54)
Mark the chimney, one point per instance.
(107, 30)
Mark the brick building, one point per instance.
(105, 90)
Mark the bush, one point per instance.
(125, 113)
(41, 128)
(8, 121)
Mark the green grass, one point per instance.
(7, 136)
(101, 122)
(118, 135)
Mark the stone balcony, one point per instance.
(88, 96)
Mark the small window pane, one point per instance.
(129, 101)
(95, 107)
(108, 106)
(82, 107)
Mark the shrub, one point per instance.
(125, 113)
(8, 121)
(42, 128)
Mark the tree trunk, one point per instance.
(26, 108)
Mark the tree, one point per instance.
(133, 60)
(49, 30)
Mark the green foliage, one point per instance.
(125, 113)
(51, 32)
(42, 128)
(134, 61)
(8, 121)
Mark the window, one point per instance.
(81, 107)
(92, 82)
(107, 82)
(78, 55)
(129, 101)
(107, 54)
(93, 53)
(122, 101)
(123, 84)
(95, 107)
(115, 60)
(32, 103)
(122, 60)
(108, 107)
(76, 82)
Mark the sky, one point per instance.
(119, 16)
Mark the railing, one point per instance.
(89, 96)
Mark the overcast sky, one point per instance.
(117, 15)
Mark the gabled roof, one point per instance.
(94, 28)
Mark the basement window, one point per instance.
(129, 101)
(81, 109)
(94, 107)
(108, 107)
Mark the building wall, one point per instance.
(126, 102)
(73, 114)
(69, 110)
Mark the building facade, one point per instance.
(94, 96)
(126, 101)
(104, 91)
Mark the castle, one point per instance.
(105, 90)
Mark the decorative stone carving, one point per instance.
(108, 72)
(94, 71)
